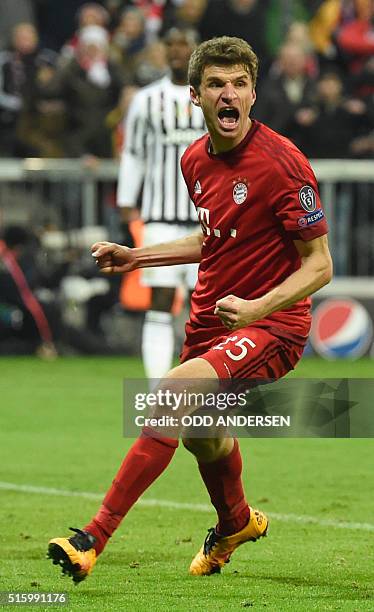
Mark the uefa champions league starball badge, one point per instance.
(307, 198)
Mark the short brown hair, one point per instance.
(222, 51)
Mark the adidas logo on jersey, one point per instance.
(197, 188)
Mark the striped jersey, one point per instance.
(161, 123)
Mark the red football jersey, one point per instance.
(252, 202)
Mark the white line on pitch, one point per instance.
(163, 503)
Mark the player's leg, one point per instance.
(249, 354)
(158, 332)
(220, 466)
(146, 460)
(158, 329)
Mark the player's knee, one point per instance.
(205, 449)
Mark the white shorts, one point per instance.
(168, 276)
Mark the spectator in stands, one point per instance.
(30, 324)
(242, 18)
(329, 18)
(90, 85)
(356, 38)
(362, 146)
(298, 34)
(187, 13)
(92, 13)
(89, 14)
(115, 120)
(18, 69)
(129, 41)
(24, 327)
(356, 41)
(153, 12)
(42, 122)
(56, 20)
(152, 65)
(286, 91)
(11, 13)
(279, 19)
(361, 83)
(328, 129)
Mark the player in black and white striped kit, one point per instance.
(160, 125)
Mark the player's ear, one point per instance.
(195, 98)
(254, 97)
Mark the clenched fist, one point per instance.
(236, 313)
(112, 258)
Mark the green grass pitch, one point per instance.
(61, 428)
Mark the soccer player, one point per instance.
(262, 251)
(161, 123)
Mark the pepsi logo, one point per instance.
(342, 328)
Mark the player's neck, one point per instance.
(179, 78)
(219, 144)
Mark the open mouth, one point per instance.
(228, 117)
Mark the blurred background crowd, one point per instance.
(68, 70)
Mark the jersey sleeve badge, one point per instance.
(308, 199)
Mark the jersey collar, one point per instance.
(226, 154)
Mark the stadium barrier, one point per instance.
(73, 194)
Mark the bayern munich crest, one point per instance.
(240, 193)
(342, 328)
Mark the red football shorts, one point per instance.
(250, 352)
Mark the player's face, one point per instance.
(226, 97)
(178, 52)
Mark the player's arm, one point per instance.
(132, 167)
(113, 258)
(128, 214)
(315, 272)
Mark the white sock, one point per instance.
(158, 343)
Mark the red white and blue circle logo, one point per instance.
(240, 193)
(342, 328)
